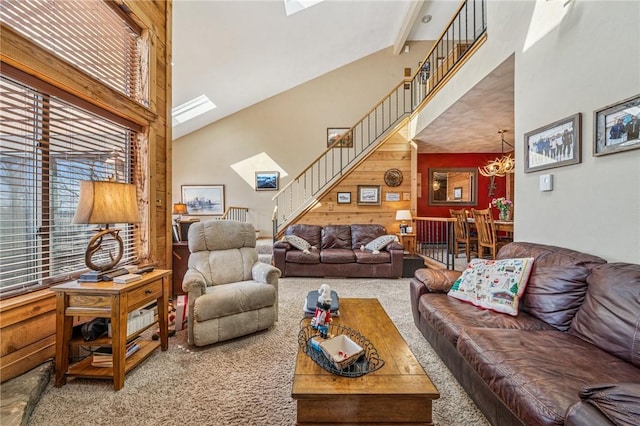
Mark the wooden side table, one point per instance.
(107, 299)
(408, 241)
(180, 255)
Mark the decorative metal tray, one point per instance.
(368, 362)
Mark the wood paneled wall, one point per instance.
(395, 152)
(27, 323)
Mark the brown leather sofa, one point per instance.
(571, 356)
(337, 253)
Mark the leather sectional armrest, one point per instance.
(437, 280)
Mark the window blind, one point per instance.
(48, 145)
(90, 34)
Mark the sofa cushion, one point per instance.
(494, 284)
(554, 294)
(437, 280)
(449, 316)
(337, 256)
(379, 243)
(361, 234)
(371, 258)
(336, 236)
(230, 299)
(539, 373)
(297, 256)
(310, 233)
(610, 315)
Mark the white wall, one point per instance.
(290, 128)
(588, 58)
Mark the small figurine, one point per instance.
(322, 315)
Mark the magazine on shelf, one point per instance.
(311, 301)
(103, 356)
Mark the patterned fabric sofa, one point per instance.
(570, 356)
(335, 251)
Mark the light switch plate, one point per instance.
(546, 182)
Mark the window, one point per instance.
(47, 145)
(94, 35)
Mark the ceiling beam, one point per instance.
(410, 18)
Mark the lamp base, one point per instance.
(94, 249)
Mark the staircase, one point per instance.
(464, 34)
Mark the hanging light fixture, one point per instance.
(500, 166)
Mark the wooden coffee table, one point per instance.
(399, 392)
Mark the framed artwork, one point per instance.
(617, 127)
(457, 193)
(344, 198)
(334, 133)
(267, 181)
(406, 196)
(369, 195)
(203, 200)
(392, 196)
(555, 145)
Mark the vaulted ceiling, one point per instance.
(239, 53)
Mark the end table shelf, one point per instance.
(114, 301)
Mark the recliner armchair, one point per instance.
(230, 293)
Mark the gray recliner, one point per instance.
(230, 293)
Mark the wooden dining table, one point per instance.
(501, 225)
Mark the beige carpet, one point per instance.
(246, 381)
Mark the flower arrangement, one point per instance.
(504, 206)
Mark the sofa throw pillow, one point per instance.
(379, 243)
(494, 284)
(297, 242)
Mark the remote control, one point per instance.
(145, 270)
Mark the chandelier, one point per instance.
(500, 166)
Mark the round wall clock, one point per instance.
(393, 177)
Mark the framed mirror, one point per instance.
(453, 186)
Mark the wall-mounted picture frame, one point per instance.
(457, 193)
(334, 133)
(392, 196)
(267, 181)
(203, 200)
(406, 196)
(554, 145)
(344, 198)
(617, 127)
(369, 195)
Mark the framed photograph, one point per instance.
(617, 127)
(334, 133)
(344, 198)
(555, 145)
(457, 193)
(392, 196)
(203, 200)
(369, 195)
(406, 196)
(267, 181)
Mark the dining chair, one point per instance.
(487, 235)
(463, 234)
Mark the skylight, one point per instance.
(191, 109)
(293, 6)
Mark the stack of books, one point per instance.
(103, 356)
(311, 301)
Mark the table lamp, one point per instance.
(106, 202)
(403, 215)
(179, 209)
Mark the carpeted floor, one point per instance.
(246, 381)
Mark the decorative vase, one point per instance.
(504, 214)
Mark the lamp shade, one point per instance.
(179, 208)
(105, 202)
(403, 215)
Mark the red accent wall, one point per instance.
(438, 161)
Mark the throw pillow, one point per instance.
(379, 243)
(494, 284)
(298, 242)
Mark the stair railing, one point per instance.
(464, 30)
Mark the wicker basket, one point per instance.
(355, 366)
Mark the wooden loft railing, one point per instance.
(235, 213)
(463, 35)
